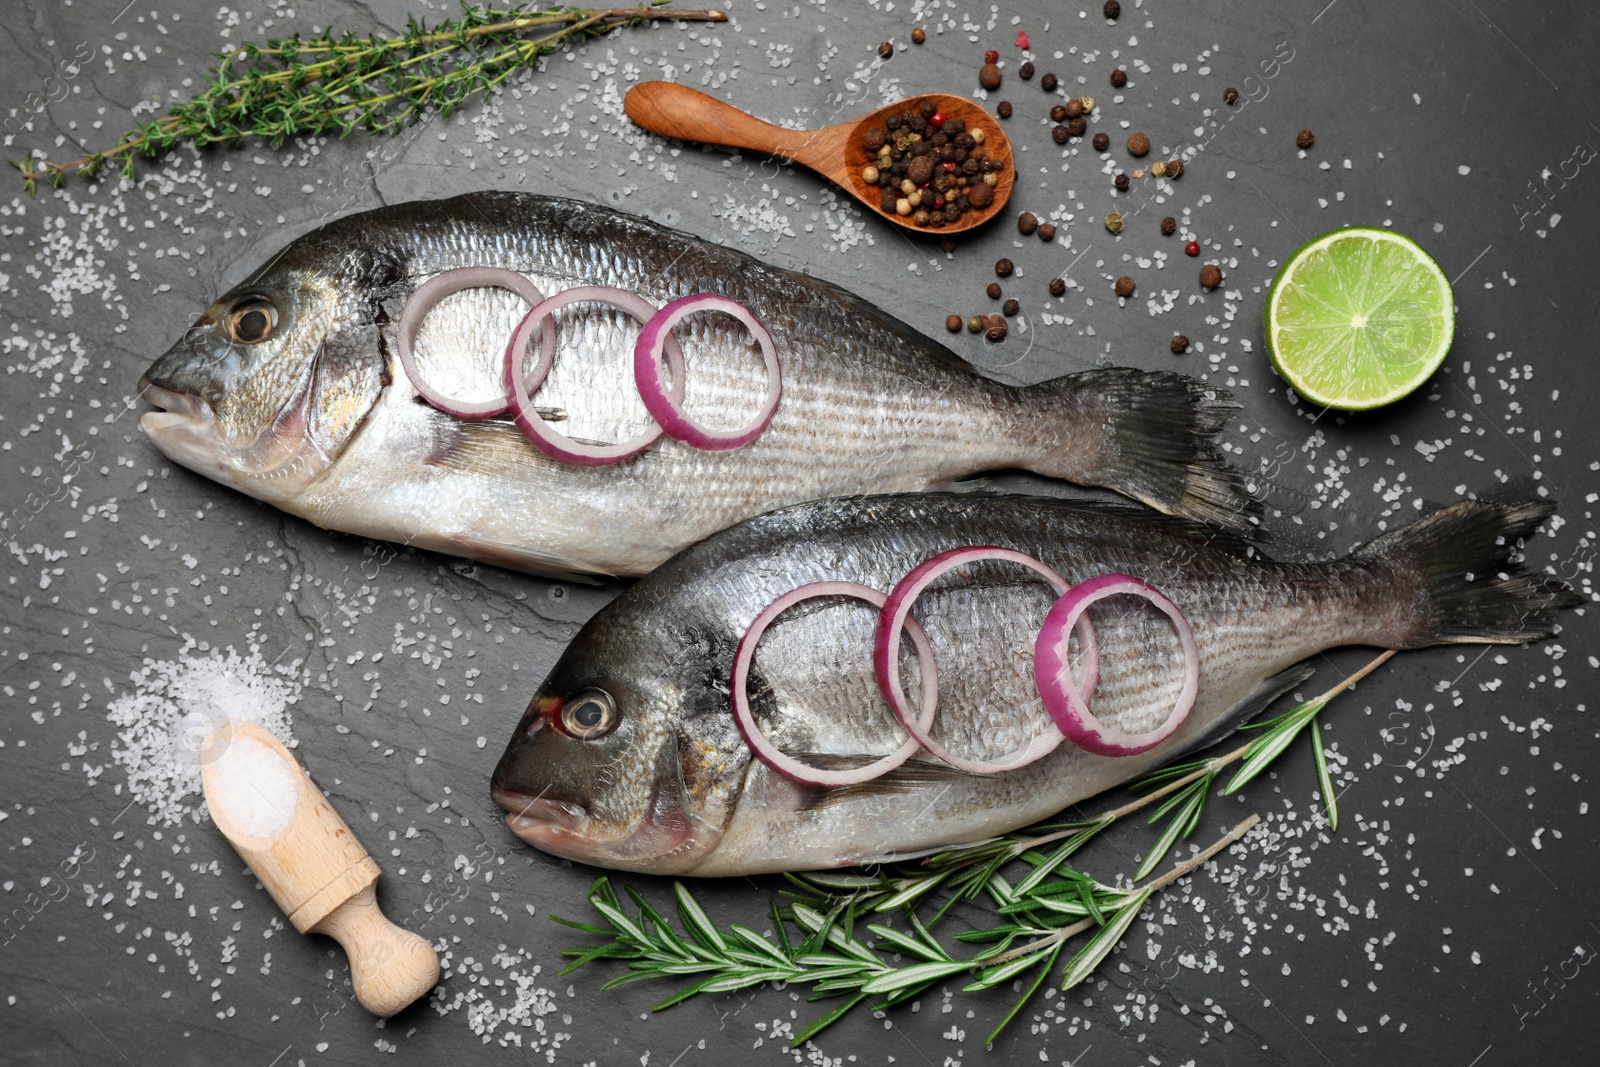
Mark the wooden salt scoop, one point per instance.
(303, 852)
(835, 152)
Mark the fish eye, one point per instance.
(252, 320)
(590, 714)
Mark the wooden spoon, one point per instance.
(835, 152)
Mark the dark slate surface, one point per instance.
(1372, 944)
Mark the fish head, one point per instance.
(272, 381)
(622, 760)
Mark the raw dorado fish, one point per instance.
(289, 389)
(665, 782)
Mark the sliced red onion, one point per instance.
(896, 615)
(666, 407)
(520, 385)
(786, 765)
(425, 297)
(1070, 708)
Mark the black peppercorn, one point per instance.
(1047, 231)
(1011, 307)
(1048, 83)
(919, 35)
(1058, 286)
(993, 290)
(1026, 70)
(1125, 287)
(894, 122)
(928, 109)
(1210, 276)
(1175, 169)
(1027, 222)
(1169, 226)
(1138, 144)
(1102, 141)
(1119, 78)
(885, 50)
(1074, 108)
(1060, 135)
(1003, 268)
(1180, 344)
(1112, 9)
(948, 244)
(1058, 113)
(1230, 96)
(989, 76)
(1003, 109)
(1304, 139)
(1078, 127)
(887, 201)
(1121, 182)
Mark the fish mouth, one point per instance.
(184, 429)
(552, 826)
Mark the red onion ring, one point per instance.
(666, 408)
(427, 296)
(896, 614)
(553, 442)
(1068, 707)
(786, 765)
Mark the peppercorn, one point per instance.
(1078, 127)
(993, 290)
(887, 201)
(1047, 231)
(1048, 83)
(1072, 108)
(1027, 222)
(1119, 78)
(956, 127)
(921, 218)
(927, 108)
(1060, 134)
(975, 324)
(948, 244)
(1112, 9)
(1180, 344)
(1003, 268)
(1304, 139)
(869, 174)
(1174, 169)
(1114, 222)
(885, 50)
(1003, 109)
(1138, 144)
(1210, 276)
(952, 323)
(1102, 141)
(1157, 169)
(918, 35)
(989, 76)
(996, 331)
(1230, 96)
(1025, 72)
(979, 196)
(991, 56)
(1192, 248)
(1125, 287)
(1058, 286)
(894, 121)
(1058, 113)
(920, 172)
(1087, 103)
(1121, 182)
(1169, 226)
(1011, 307)
(991, 178)
(917, 124)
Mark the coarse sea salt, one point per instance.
(163, 723)
(254, 788)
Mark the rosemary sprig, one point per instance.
(1036, 916)
(335, 86)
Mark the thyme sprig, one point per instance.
(1036, 915)
(331, 85)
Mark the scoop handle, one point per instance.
(389, 966)
(678, 111)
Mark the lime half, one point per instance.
(1358, 318)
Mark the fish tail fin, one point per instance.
(1472, 586)
(1156, 442)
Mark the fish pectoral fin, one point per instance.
(1254, 703)
(910, 775)
(520, 558)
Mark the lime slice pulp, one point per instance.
(1359, 318)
